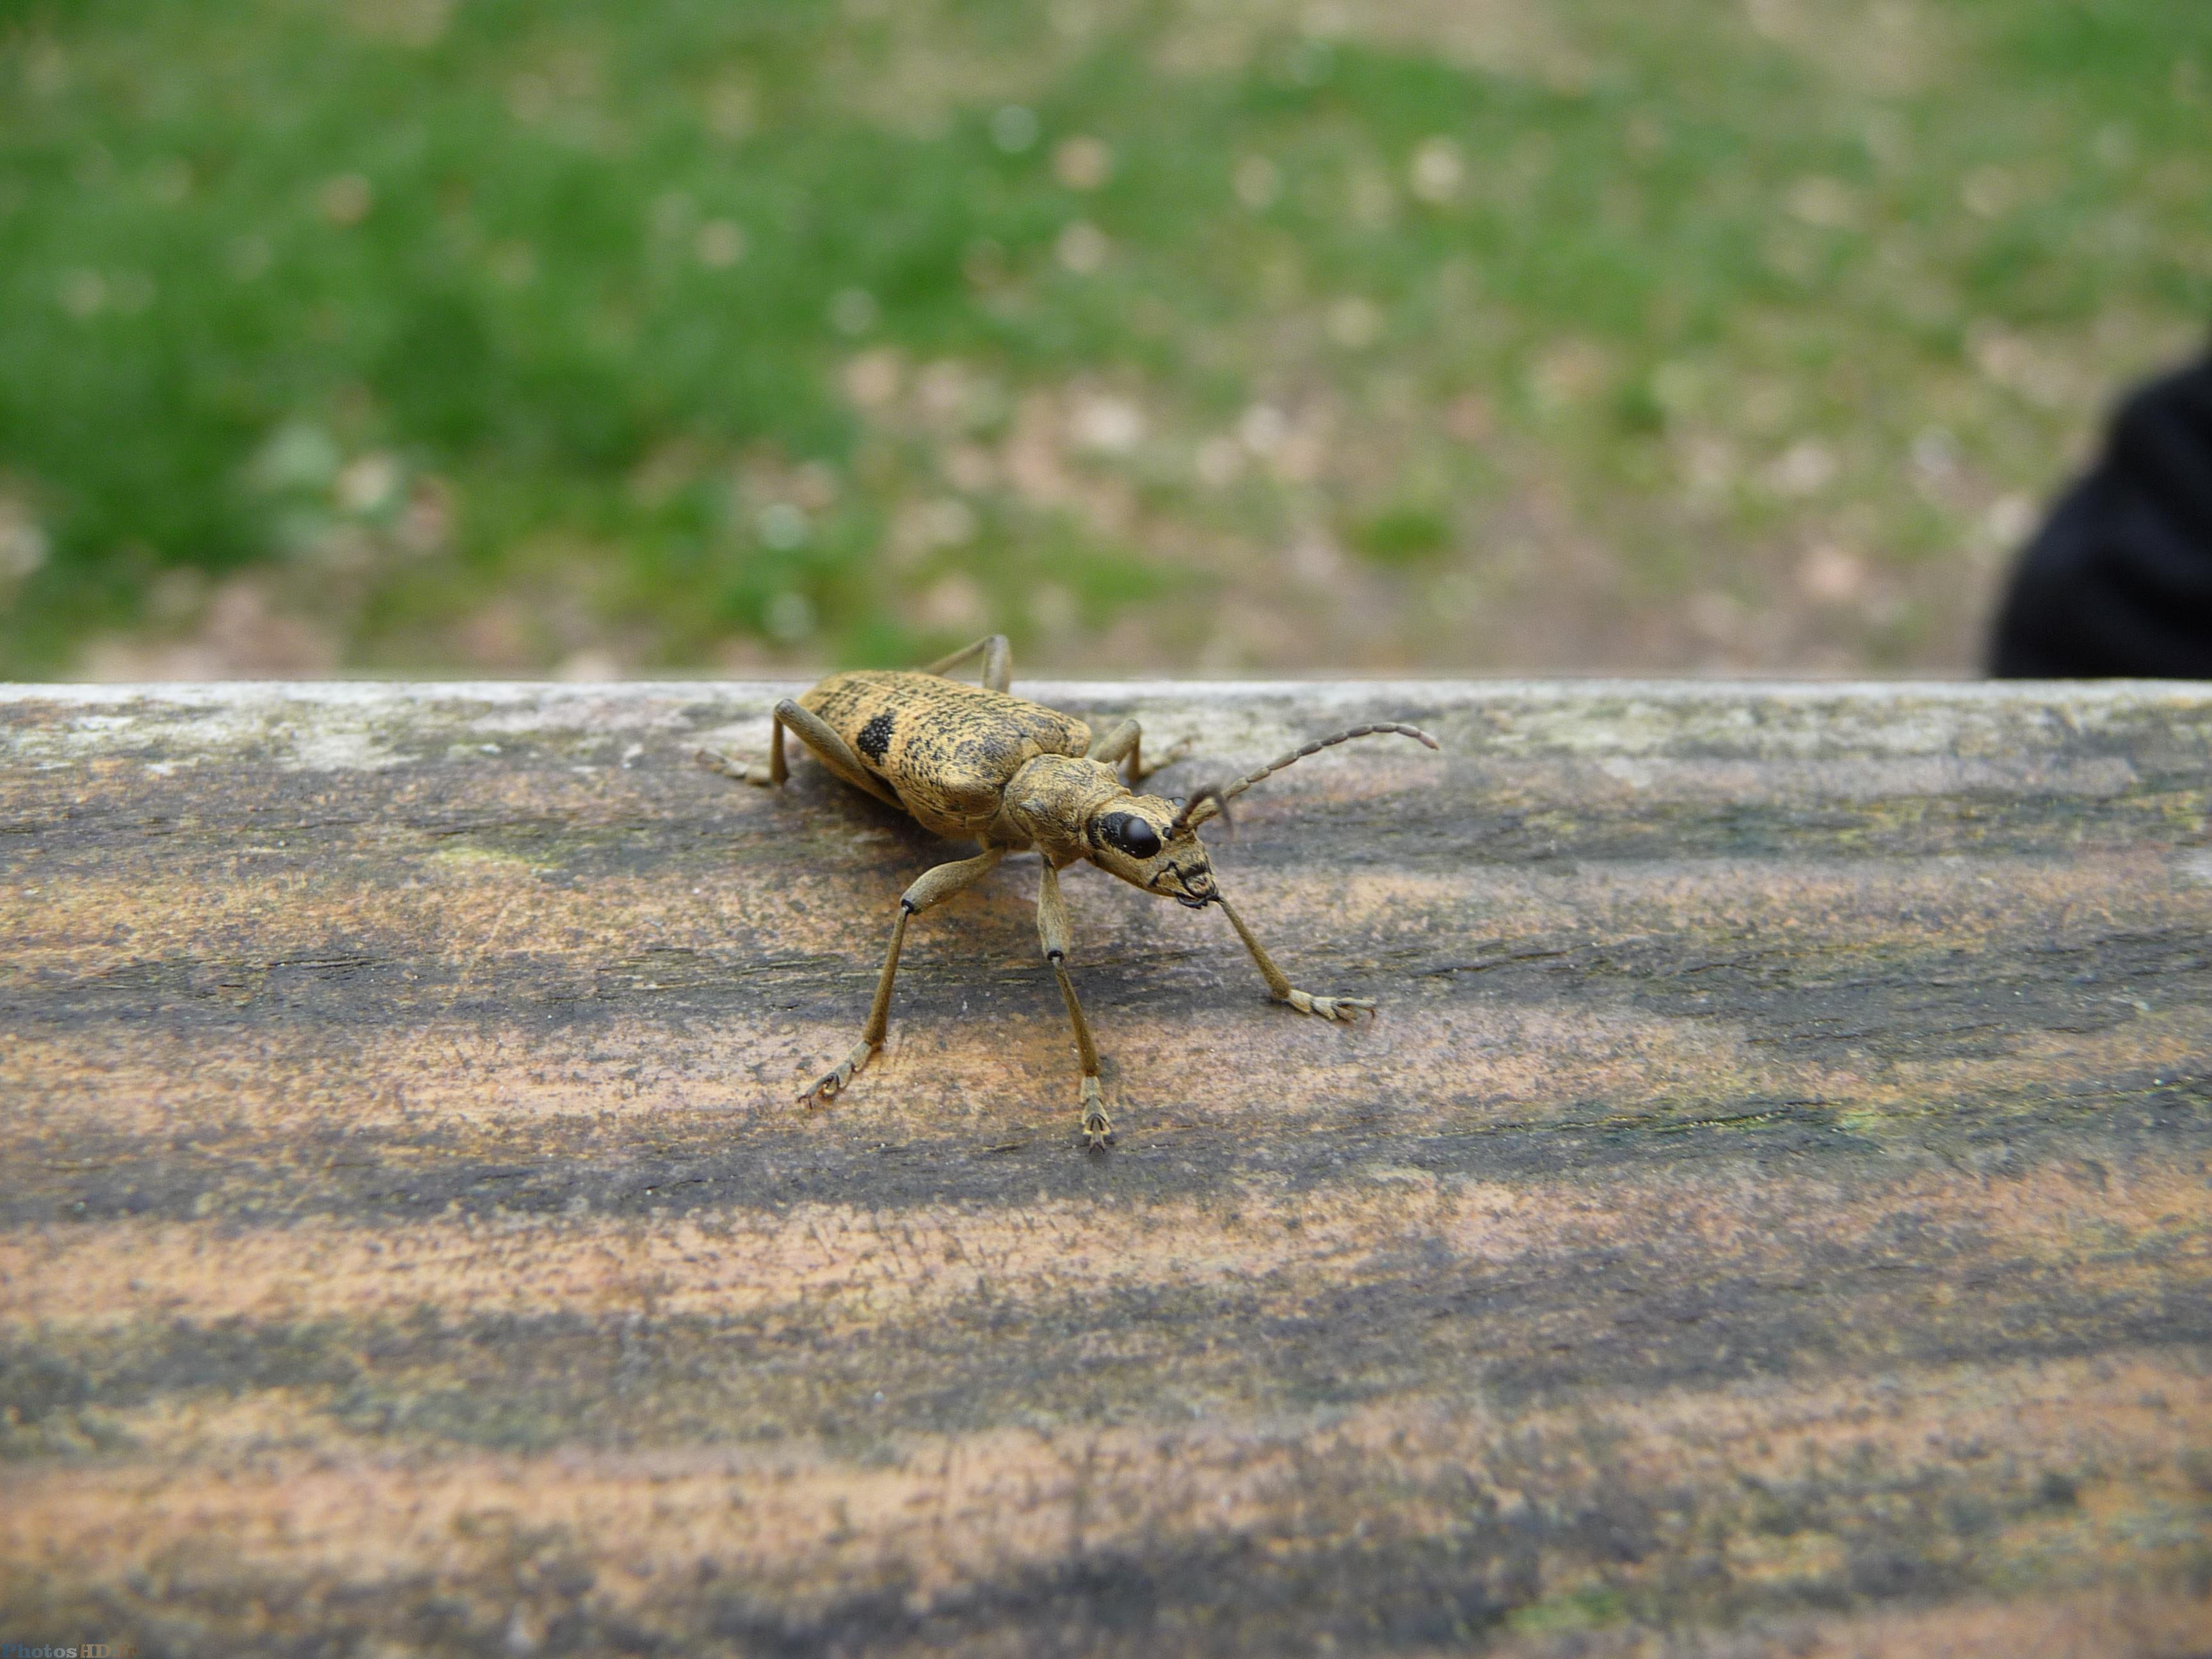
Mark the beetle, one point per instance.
(974, 763)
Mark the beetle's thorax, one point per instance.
(1049, 801)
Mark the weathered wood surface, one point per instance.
(1770, 1214)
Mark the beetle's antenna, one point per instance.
(1214, 798)
(1210, 802)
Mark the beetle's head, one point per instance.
(1137, 838)
(1153, 844)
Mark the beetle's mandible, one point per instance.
(972, 762)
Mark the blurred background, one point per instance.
(590, 338)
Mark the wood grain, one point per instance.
(1769, 1213)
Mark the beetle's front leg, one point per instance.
(1052, 934)
(932, 887)
(1278, 984)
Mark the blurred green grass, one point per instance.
(1600, 333)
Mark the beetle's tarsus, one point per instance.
(1097, 1127)
(831, 1084)
(1346, 1009)
(1176, 751)
(753, 772)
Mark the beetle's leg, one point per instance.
(1052, 934)
(997, 661)
(832, 751)
(770, 776)
(1278, 984)
(1125, 742)
(930, 887)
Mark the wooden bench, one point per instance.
(1771, 1209)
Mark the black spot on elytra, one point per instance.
(875, 738)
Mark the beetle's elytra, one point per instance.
(973, 763)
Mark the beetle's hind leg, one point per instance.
(1279, 983)
(932, 887)
(818, 735)
(770, 776)
(997, 661)
(1126, 742)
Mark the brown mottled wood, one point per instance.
(1769, 1213)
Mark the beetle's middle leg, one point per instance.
(1126, 742)
(1053, 933)
(1279, 983)
(930, 887)
(997, 661)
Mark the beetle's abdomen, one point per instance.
(946, 749)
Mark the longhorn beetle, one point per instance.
(973, 763)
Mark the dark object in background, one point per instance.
(2118, 581)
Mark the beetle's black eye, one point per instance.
(1132, 835)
